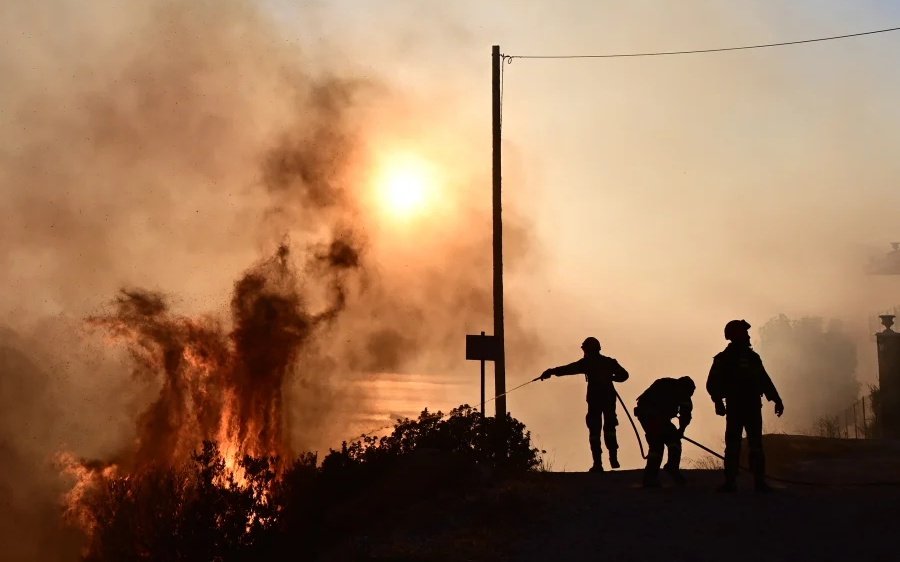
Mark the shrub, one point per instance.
(829, 426)
(501, 445)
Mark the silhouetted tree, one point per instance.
(813, 364)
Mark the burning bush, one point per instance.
(222, 389)
(194, 511)
(199, 510)
(208, 477)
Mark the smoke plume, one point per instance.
(148, 154)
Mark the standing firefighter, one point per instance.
(601, 372)
(665, 399)
(736, 381)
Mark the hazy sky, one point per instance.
(666, 195)
(653, 198)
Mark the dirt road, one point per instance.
(587, 517)
(545, 517)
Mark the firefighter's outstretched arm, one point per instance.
(561, 371)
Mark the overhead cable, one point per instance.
(509, 58)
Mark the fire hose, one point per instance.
(511, 390)
(633, 425)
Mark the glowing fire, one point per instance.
(86, 476)
(217, 385)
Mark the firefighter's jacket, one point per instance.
(601, 372)
(738, 376)
(665, 399)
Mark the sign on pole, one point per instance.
(481, 348)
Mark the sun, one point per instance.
(404, 190)
(405, 185)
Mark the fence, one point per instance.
(857, 421)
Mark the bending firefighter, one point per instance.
(665, 399)
(736, 381)
(600, 372)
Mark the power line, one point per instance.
(509, 58)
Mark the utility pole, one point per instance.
(500, 360)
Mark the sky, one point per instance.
(647, 200)
(667, 195)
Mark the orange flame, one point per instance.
(217, 385)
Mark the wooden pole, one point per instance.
(500, 362)
(855, 425)
(482, 386)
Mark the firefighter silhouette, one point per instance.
(601, 372)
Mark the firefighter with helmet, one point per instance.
(601, 372)
(665, 399)
(736, 382)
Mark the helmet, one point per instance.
(688, 381)
(735, 328)
(591, 344)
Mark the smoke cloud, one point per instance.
(166, 148)
(817, 363)
(148, 155)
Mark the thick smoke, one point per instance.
(28, 483)
(163, 148)
(226, 386)
(817, 367)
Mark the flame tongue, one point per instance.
(217, 386)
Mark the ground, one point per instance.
(579, 516)
(587, 518)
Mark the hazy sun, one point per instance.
(405, 185)
(404, 190)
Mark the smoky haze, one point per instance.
(683, 192)
(150, 156)
(171, 146)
